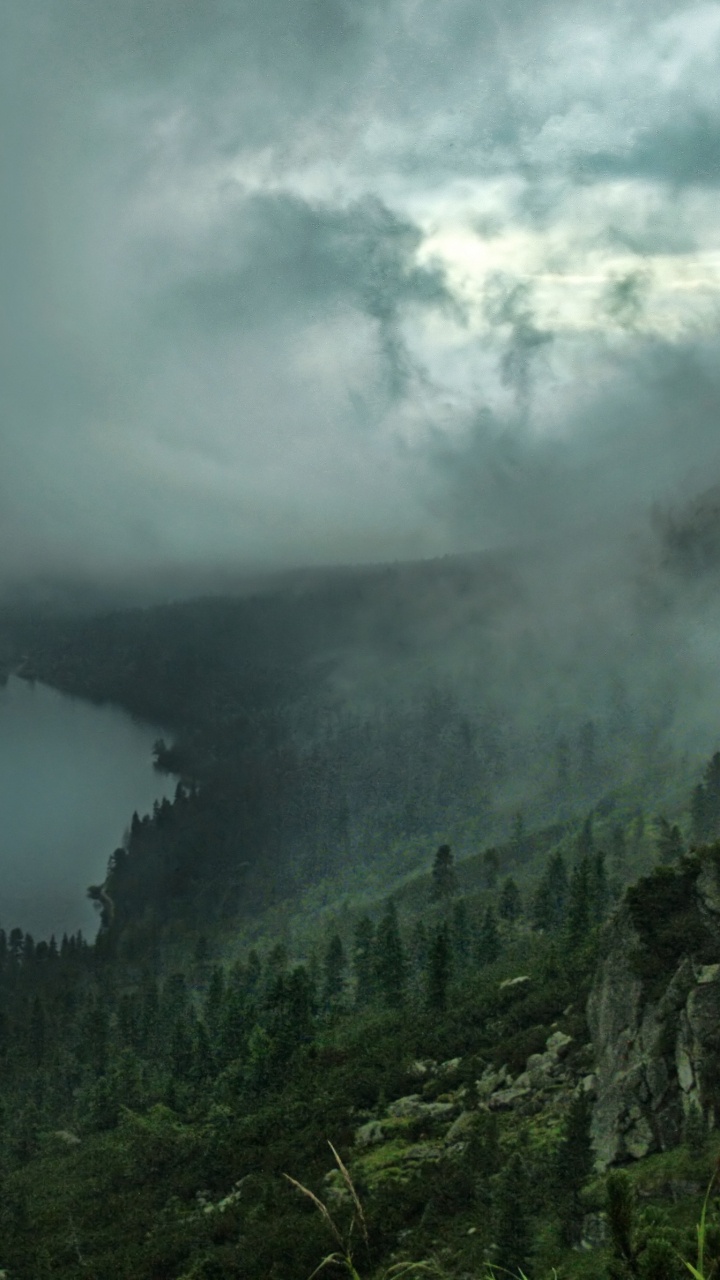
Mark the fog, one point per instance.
(347, 283)
(71, 775)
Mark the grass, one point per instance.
(342, 1256)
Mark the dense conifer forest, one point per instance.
(347, 928)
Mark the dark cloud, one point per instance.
(224, 339)
(682, 150)
(625, 298)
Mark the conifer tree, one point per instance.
(37, 1033)
(517, 839)
(214, 1001)
(443, 877)
(438, 971)
(203, 1059)
(711, 780)
(363, 962)
(586, 838)
(510, 903)
(699, 818)
(333, 972)
(579, 905)
(618, 850)
(488, 945)
(491, 868)
(390, 968)
(572, 1166)
(670, 846)
(460, 937)
(181, 1051)
(550, 899)
(513, 1234)
(638, 833)
(599, 892)
(419, 945)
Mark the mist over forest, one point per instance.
(359, 636)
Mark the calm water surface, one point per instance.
(70, 776)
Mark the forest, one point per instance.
(346, 1004)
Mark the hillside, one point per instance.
(376, 914)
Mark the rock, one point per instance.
(558, 1043)
(368, 1135)
(508, 1099)
(656, 1040)
(595, 1231)
(412, 1107)
(708, 887)
(491, 1080)
(450, 1067)
(516, 984)
(422, 1068)
(336, 1189)
(639, 1138)
(64, 1135)
(462, 1127)
(683, 1067)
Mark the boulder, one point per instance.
(422, 1068)
(508, 1099)
(412, 1107)
(516, 984)
(491, 1080)
(450, 1067)
(461, 1127)
(558, 1044)
(368, 1135)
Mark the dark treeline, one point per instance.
(311, 738)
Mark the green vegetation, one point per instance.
(335, 932)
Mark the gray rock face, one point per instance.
(656, 1045)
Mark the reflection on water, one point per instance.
(70, 776)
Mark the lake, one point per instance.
(71, 774)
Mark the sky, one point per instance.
(352, 280)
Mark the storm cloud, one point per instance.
(346, 281)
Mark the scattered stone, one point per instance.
(368, 1135)
(412, 1107)
(336, 1190)
(70, 1139)
(558, 1043)
(639, 1139)
(422, 1068)
(462, 1127)
(516, 984)
(595, 1231)
(507, 1099)
(450, 1067)
(491, 1080)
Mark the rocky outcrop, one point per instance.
(413, 1132)
(654, 1016)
